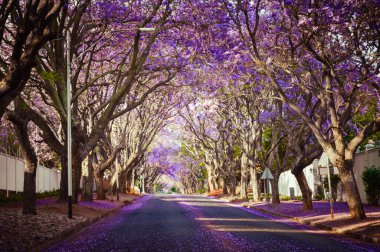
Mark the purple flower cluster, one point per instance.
(295, 209)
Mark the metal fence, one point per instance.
(12, 175)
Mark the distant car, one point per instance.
(160, 191)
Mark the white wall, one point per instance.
(362, 159)
(288, 180)
(12, 175)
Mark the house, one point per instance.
(288, 185)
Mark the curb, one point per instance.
(366, 238)
(76, 229)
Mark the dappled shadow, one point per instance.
(221, 217)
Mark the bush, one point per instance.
(201, 191)
(19, 196)
(284, 197)
(298, 197)
(318, 197)
(371, 180)
(12, 197)
(266, 195)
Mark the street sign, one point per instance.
(267, 174)
(323, 170)
(323, 163)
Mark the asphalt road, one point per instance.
(196, 223)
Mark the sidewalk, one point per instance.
(20, 232)
(319, 217)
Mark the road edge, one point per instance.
(349, 234)
(79, 227)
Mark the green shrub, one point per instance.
(266, 195)
(371, 180)
(11, 198)
(201, 191)
(19, 196)
(298, 197)
(318, 197)
(284, 197)
(47, 194)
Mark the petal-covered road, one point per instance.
(196, 223)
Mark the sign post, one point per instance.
(325, 168)
(267, 175)
(330, 192)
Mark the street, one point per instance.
(196, 223)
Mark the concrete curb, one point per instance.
(77, 228)
(366, 238)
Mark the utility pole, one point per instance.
(330, 191)
(68, 101)
(117, 178)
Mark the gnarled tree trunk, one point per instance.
(350, 189)
(305, 189)
(100, 191)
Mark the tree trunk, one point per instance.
(30, 169)
(254, 184)
(223, 185)
(100, 192)
(351, 190)
(88, 182)
(305, 190)
(275, 193)
(233, 185)
(63, 194)
(211, 185)
(123, 182)
(215, 182)
(244, 177)
(132, 181)
(76, 174)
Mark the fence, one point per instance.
(12, 175)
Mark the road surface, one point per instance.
(196, 223)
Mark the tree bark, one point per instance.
(244, 177)
(211, 185)
(223, 184)
(305, 189)
(88, 182)
(351, 190)
(76, 174)
(100, 191)
(63, 194)
(123, 182)
(233, 185)
(254, 184)
(275, 193)
(132, 181)
(30, 159)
